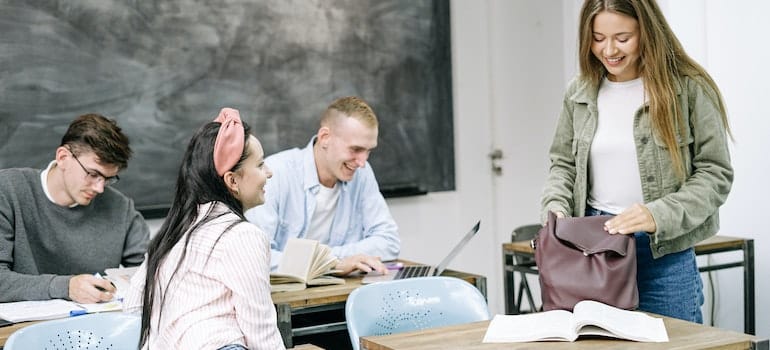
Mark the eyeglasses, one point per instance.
(93, 176)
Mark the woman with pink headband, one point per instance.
(207, 271)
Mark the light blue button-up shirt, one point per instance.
(362, 222)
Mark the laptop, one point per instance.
(411, 271)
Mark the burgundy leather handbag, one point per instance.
(578, 260)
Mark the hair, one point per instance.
(197, 183)
(350, 106)
(662, 60)
(101, 135)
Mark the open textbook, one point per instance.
(38, 310)
(588, 318)
(305, 262)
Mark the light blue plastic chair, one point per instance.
(412, 304)
(109, 330)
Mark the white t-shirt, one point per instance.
(612, 164)
(325, 206)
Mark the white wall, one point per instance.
(725, 37)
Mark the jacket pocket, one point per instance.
(671, 181)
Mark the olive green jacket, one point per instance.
(685, 214)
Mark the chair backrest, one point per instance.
(109, 330)
(412, 304)
(525, 232)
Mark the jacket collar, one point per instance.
(584, 93)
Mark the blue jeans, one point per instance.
(670, 285)
(233, 347)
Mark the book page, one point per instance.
(325, 280)
(276, 278)
(21, 311)
(297, 260)
(287, 286)
(112, 305)
(550, 325)
(323, 262)
(624, 324)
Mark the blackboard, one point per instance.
(162, 68)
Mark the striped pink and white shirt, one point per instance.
(221, 293)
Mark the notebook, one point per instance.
(411, 271)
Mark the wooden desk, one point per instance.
(713, 245)
(682, 335)
(333, 297)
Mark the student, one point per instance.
(643, 136)
(327, 192)
(205, 284)
(62, 224)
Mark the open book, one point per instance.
(588, 318)
(305, 263)
(21, 311)
(38, 310)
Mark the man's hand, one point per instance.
(362, 263)
(88, 289)
(635, 218)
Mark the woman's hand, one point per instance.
(635, 218)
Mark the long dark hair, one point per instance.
(197, 183)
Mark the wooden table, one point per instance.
(682, 335)
(325, 298)
(716, 244)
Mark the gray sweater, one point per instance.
(42, 244)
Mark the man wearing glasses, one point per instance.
(62, 224)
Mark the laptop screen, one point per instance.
(459, 246)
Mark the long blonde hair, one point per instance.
(662, 61)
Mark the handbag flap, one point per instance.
(588, 235)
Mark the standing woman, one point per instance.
(205, 283)
(643, 135)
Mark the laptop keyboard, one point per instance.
(410, 271)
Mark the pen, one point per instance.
(74, 313)
(97, 275)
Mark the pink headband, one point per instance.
(229, 144)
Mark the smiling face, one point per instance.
(252, 176)
(342, 148)
(616, 45)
